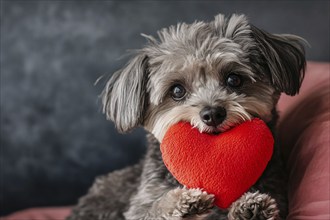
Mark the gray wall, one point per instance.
(54, 138)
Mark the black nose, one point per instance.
(213, 116)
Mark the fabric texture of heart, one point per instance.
(225, 165)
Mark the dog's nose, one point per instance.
(213, 116)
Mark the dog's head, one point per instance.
(214, 75)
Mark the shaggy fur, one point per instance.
(200, 58)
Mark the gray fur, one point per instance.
(285, 59)
(124, 94)
(107, 192)
(199, 56)
(254, 205)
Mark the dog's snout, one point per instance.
(213, 116)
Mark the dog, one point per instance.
(214, 75)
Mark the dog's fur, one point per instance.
(200, 57)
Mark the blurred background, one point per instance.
(54, 137)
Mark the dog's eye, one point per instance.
(178, 92)
(234, 80)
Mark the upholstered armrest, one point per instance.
(304, 130)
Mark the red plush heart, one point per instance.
(225, 165)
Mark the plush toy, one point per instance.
(225, 165)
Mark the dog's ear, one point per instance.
(124, 96)
(284, 57)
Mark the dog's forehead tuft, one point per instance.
(218, 42)
(199, 38)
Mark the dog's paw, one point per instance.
(190, 202)
(256, 206)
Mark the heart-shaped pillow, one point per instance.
(225, 165)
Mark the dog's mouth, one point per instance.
(212, 130)
(224, 126)
(216, 132)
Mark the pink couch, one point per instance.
(304, 130)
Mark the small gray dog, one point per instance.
(214, 75)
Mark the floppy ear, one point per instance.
(123, 97)
(284, 57)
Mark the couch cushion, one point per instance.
(49, 213)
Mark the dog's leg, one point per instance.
(183, 202)
(254, 205)
(160, 196)
(176, 204)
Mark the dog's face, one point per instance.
(214, 75)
